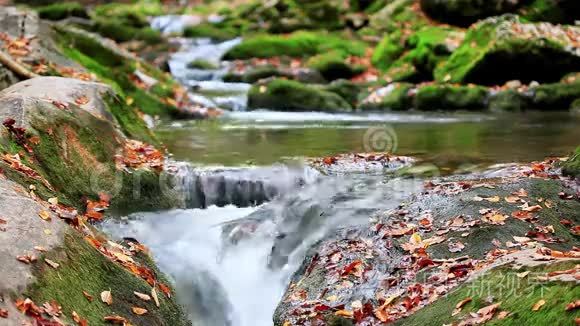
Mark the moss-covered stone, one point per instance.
(201, 64)
(394, 97)
(388, 50)
(509, 100)
(554, 11)
(129, 14)
(213, 31)
(557, 96)
(58, 11)
(450, 97)
(298, 44)
(333, 65)
(288, 95)
(466, 12)
(517, 296)
(122, 33)
(346, 89)
(572, 166)
(83, 269)
(497, 50)
(113, 66)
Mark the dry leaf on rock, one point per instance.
(107, 297)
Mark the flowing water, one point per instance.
(231, 264)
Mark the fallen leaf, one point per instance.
(81, 100)
(3, 313)
(116, 320)
(344, 313)
(154, 296)
(494, 199)
(456, 246)
(460, 305)
(44, 215)
(107, 297)
(39, 248)
(53, 201)
(523, 274)
(573, 305)
(512, 199)
(502, 315)
(139, 311)
(142, 296)
(88, 296)
(51, 263)
(538, 305)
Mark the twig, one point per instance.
(15, 67)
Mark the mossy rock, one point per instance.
(313, 275)
(572, 166)
(466, 12)
(58, 11)
(346, 89)
(509, 100)
(77, 146)
(288, 95)
(333, 65)
(298, 44)
(202, 65)
(209, 30)
(122, 33)
(84, 269)
(451, 97)
(113, 66)
(556, 96)
(398, 15)
(129, 14)
(394, 97)
(554, 11)
(388, 50)
(496, 283)
(504, 48)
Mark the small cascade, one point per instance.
(242, 187)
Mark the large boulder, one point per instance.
(73, 135)
(412, 264)
(465, 12)
(504, 48)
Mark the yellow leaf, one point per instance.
(53, 201)
(344, 313)
(51, 263)
(538, 305)
(107, 297)
(154, 296)
(44, 215)
(139, 311)
(129, 100)
(416, 238)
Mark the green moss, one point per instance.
(287, 95)
(554, 11)
(388, 50)
(298, 44)
(213, 31)
(558, 96)
(572, 166)
(130, 14)
(201, 64)
(58, 11)
(447, 97)
(346, 89)
(509, 100)
(517, 296)
(83, 268)
(115, 69)
(396, 98)
(123, 33)
(493, 54)
(332, 65)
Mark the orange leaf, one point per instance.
(538, 305)
(139, 311)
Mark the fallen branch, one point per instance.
(15, 67)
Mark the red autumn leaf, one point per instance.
(165, 289)
(350, 267)
(3, 313)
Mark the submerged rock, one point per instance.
(501, 49)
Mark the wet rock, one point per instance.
(395, 96)
(466, 12)
(287, 95)
(572, 166)
(369, 163)
(519, 50)
(401, 261)
(448, 97)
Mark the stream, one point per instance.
(231, 264)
